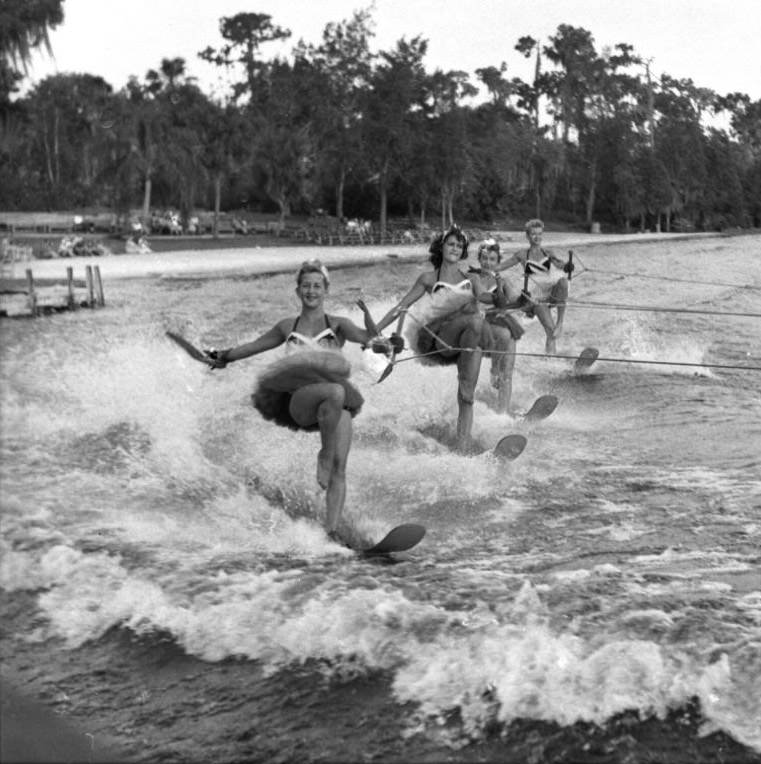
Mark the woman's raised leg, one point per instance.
(321, 404)
(504, 363)
(466, 334)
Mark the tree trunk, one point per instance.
(592, 192)
(48, 156)
(217, 204)
(86, 172)
(56, 149)
(383, 206)
(383, 191)
(285, 211)
(591, 204)
(340, 194)
(147, 198)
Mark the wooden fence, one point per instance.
(25, 298)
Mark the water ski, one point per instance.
(586, 358)
(542, 407)
(510, 447)
(190, 349)
(398, 539)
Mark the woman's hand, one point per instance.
(217, 359)
(380, 344)
(397, 342)
(387, 345)
(500, 299)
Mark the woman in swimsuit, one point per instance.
(548, 285)
(505, 328)
(453, 330)
(310, 390)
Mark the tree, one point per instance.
(24, 26)
(448, 126)
(225, 149)
(184, 144)
(395, 92)
(723, 192)
(680, 145)
(529, 96)
(145, 135)
(595, 101)
(283, 148)
(340, 69)
(245, 34)
(500, 89)
(67, 110)
(745, 121)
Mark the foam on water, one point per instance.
(609, 568)
(643, 340)
(506, 665)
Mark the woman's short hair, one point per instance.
(436, 249)
(489, 245)
(533, 223)
(312, 266)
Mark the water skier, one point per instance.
(505, 328)
(548, 283)
(451, 329)
(310, 389)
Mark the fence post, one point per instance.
(90, 292)
(99, 288)
(70, 285)
(31, 294)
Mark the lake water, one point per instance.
(161, 541)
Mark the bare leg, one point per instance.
(544, 315)
(502, 364)
(466, 332)
(329, 414)
(558, 298)
(335, 496)
(320, 404)
(507, 364)
(464, 422)
(496, 372)
(468, 367)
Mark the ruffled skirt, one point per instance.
(281, 379)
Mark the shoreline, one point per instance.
(264, 261)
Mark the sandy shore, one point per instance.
(264, 260)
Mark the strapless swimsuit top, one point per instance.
(325, 339)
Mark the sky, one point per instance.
(714, 43)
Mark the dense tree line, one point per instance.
(336, 127)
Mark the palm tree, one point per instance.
(25, 26)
